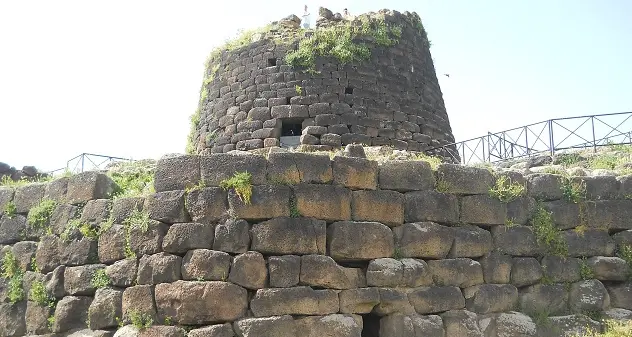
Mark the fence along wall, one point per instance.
(331, 247)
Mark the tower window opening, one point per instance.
(291, 127)
(272, 62)
(370, 325)
(349, 90)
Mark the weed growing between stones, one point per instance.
(581, 229)
(397, 253)
(39, 295)
(573, 191)
(138, 219)
(294, 213)
(299, 90)
(100, 279)
(541, 318)
(39, 216)
(84, 228)
(585, 271)
(168, 320)
(50, 321)
(613, 328)
(505, 190)
(200, 185)
(134, 179)
(547, 234)
(12, 272)
(624, 252)
(9, 209)
(241, 182)
(442, 186)
(140, 321)
(555, 170)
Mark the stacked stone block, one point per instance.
(391, 99)
(327, 247)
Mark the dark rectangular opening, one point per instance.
(287, 101)
(291, 127)
(349, 90)
(370, 325)
(272, 62)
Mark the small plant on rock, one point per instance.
(39, 216)
(505, 190)
(9, 209)
(299, 90)
(140, 321)
(40, 295)
(100, 279)
(241, 182)
(12, 272)
(547, 234)
(625, 253)
(573, 191)
(294, 212)
(585, 271)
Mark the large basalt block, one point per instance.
(217, 330)
(111, 245)
(204, 264)
(565, 215)
(62, 214)
(78, 251)
(412, 326)
(12, 322)
(159, 268)
(78, 280)
(24, 252)
(489, 298)
(431, 206)
(96, 211)
(176, 173)
(277, 326)
(284, 271)
(388, 272)
(330, 325)
(139, 300)
(496, 267)
(122, 273)
(295, 167)
(167, 207)
(591, 242)
(405, 175)
(429, 300)
(393, 301)
(163, 331)
(87, 186)
(459, 272)
(249, 271)
(516, 240)
(519, 210)
(355, 173)
(511, 324)
(294, 301)
(71, 313)
(615, 214)
(329, 203)
(123, 208)
(36, 318)
(457, 179)
(56, 190)
(544, 187)
(424, 240)
(196, 303)
(572, 325)
(28, 196)
(323, 272)
(552, 299)
(286, 235)
(599, 187)
(461, 323)
(207, 205)
(620, 295)
(359, 301)
(382, 206)
(11, 228)
(470, 241)
(588, 296)
(483, 210)
(105, 309)
(6, 196)
(233, 236)
(183, 237)
(525, 271)
(561, 269)
(266, 202)
(147, 241)
(348, 240)
(220, 166)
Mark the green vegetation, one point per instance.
(50, 321)
(541, 318)
(138, 219)
(200, 185)
(140, 321)
(547, 234)
(585, 271)
(241, 182)
(294, 212)
(299, 90)
(39, 216)
(134, 179)
(9, 209)
(506, 191)
(397, 253)
(442, 185)
(86, 229)
(612, 329)
(100, 279)
(573, 191)
(625, 253)
(11, 271)
(40, 295)
(341, 42)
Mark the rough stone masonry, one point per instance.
(326, 247)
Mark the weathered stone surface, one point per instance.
(428, 300)
(36, 318)
(78, 280)
(355, 173)
(382, 206)
(268, 326)
(105, 308)
(431, 206)
(196, 303)
(459, 179)
(525, 271)
(423, 240)
(159, 268)
(488, 298)
(122, 273)
(207, 205)
(249, 271)
(406, 175)
(183, 237)
(330, 325)
(544, 187)
(591, 242)
(24, 253)
(233, 236)
(123, 208)
(520, 210)
(163, 331)
(289, 236)
(218, 330)
(6, 196)
(111, 244)
(620, 295)
(11, 228)
(388, 272)
(623, 238)
(323, 272)
(329, 203)
(284, 271)
(511, 324)
(359, 301)
(78, 251)
(459, 272)
(589, 295)
(565, 215)
(266, 202)
(87, 186)
(294, 301)
(483, 209)
(176, 173)
(56, 190)
(572, 325)
(96, 211)
(515, 240)
(461, 323)
(412, 326)
(139, 300)
(147, 241)
(28, 196)
(218, 167)
(54, 282)
(167, 207)
(295, 167)
(470, 241)
(348, 240)
(204, 264)
(560, 270)
(615, 214)
(62, 214)
(71, 313)
(12, 321)
(126, 331)
(550, 298)
(393, 301)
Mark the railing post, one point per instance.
(526, 140)
(83, 156)
(592, 122)
(551, 140)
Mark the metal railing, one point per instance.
(88, 162)
(548, 136)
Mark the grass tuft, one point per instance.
(506, 191)
(39, 216)
(100, 279)
(241, 182)
(134, 179)
(547, 234)
(585, 271)
(11, 271)
(40, 295)
(9, 209)
(573, 191)
(140, 321)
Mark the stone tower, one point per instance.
(368, 79)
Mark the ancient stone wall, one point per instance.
(251, 96)
(324, 247)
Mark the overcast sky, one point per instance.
(120, 78)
